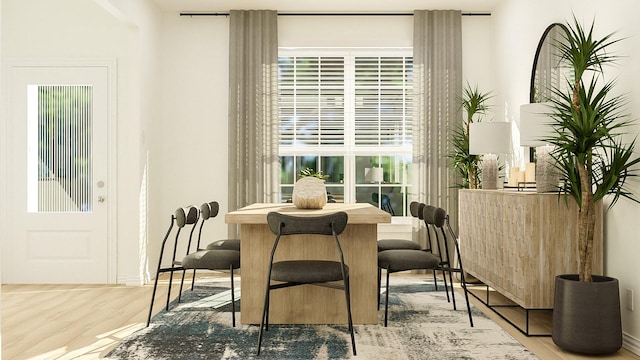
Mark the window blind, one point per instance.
(383, 105)
(359, 101)
(312, 101)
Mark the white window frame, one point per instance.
(349, 150)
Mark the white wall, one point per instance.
(192, 146)
(139, 139)
(518, 26)
(78, 29)
(193, 165)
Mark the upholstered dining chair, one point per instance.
(385, 202)
(408, 259)
(182, 217)
(415, 209)
(303, 271)
(220, 259)
(438, 219)
(210, 210)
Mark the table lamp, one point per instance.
(489, 139)
(374, 175)
(535, 126)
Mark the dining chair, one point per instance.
(299, 272)
(182, 217)
(396, 260)
(221, 259)
(210, 210)
(415, 209)
(385, 202)
(438, 219)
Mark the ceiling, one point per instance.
(326, 6)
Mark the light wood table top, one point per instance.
(359, 213)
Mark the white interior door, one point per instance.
(58, 126)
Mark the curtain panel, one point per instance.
(437, 57)
(254, 164)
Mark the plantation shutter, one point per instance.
(312, 91)
(383, 105)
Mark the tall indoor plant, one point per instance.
(588, 122)
(474, 104)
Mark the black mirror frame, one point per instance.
(535, 59)
(535, 65)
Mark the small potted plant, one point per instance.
(310, 192)
(474, 103)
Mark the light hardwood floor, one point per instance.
(87, 321)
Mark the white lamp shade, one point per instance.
(489, 138)
(535, 124)
(373, 175)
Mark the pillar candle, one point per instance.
(530, 172)
(513, 176)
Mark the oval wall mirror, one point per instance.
(547, 72)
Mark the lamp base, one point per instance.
(490, 171)
(547, 177)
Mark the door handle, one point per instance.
(100, 199)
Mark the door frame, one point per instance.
(9, 152)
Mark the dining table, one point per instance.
(309, 304)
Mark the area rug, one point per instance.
(422, 325)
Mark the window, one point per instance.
(349, 115)
(59, 138)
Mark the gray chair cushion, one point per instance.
(308, 271)
(282, 224)
(401, 260)
(434, 216)
(225, 244)
(209, 209)
(186, 215)
(396, 244)
(212, 260)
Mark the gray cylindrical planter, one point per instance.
(586, 315)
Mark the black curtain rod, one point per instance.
(327, 14)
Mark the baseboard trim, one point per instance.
(130, 280)
(631, 343)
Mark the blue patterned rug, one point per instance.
(422, 325)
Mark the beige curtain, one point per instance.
(254, 164)
(437, 57)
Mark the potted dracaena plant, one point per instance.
(588, 121)
(474, 104)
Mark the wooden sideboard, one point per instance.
(517, 242)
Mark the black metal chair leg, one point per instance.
(169, 289)
(193, 280)
(233, 300)
(379, 285)
(153, 296)
(265, 312)
(466, 297)
(181, 286)
(386, 302)
(446, 287)
(348, 299)
(453, 295)
(435, 279)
